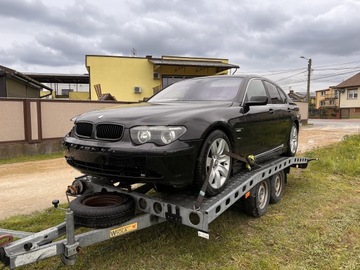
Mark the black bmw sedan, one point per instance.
(172, 139)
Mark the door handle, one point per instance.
(271, 111)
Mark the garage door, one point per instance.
(345, 113)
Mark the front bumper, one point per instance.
(172, 164)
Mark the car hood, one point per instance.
(147, 113)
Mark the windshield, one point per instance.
(200, 89)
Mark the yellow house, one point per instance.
(138, 78)
(327, 98)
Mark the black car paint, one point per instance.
(251, 131)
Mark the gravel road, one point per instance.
(31, 186)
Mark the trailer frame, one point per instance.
(153, 208)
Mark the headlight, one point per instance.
(159, 135)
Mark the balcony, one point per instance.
(331, 96)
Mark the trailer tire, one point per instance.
(102, 209)
(257, 203)
(277, 186)
(4, 258)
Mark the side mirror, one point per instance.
(255, 101)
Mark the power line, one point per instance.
(340, 64)
(282, 79)
(332, 75)
(328, 69)
(318, 68)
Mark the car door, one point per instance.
(282, 114)
(255, 128)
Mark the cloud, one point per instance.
(254, 34)
(333, 32)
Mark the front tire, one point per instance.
(212, 149)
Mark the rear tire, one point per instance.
(293, 141)
(257, 203)
(212, 149)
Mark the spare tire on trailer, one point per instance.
(102, 209)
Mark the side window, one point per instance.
(274, 93)
(255, 88)
(283, 95)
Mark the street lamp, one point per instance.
(308, 79)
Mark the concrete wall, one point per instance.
(35, 126)
(12, 121)
(304, 111)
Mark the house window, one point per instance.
(352, 94)
(169, 80)
(322, 93)
(331, 102)
(322, 103)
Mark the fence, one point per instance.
(31, 126)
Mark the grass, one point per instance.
(31, 158)
(315, 226)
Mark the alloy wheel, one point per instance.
(220, 163)
(293, 139)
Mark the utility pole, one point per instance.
(308, 99)
(308, 79)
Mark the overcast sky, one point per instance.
(262, 37)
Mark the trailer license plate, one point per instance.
(123, 230)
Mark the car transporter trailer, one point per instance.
(187, 208)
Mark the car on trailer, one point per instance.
(182, 133)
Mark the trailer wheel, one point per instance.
(212, 149)
(102, 209)
(257, 203)
(277, 186)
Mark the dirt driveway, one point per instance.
(31, 186)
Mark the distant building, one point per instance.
(137, 78)
(327, 98)
(66, 86)
(349, 101)
(14, 84)
(301, 96)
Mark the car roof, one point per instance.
(247, 77)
